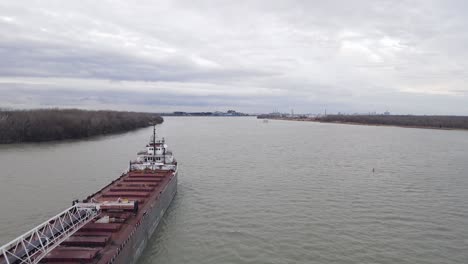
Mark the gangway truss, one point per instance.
(35, 244)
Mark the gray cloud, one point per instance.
(402, 56)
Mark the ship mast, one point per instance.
(154, 144)
(164, 151)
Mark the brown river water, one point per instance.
(277, 192)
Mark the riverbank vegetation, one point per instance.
(441, 122)
(58, 124)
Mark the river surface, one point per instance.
(277, 192)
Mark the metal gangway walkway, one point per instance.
(35, 244)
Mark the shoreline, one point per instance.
(364, 124)
(46, 125)
(73, 140)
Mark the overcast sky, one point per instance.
(252, 56)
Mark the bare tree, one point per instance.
(55, 124)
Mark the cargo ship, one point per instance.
(111, 226)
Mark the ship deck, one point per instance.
(98, 242)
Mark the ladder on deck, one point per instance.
(35, 244)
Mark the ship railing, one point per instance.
(35, 244)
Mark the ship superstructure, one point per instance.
(112, 225)
(155, 155)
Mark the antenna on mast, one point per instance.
(154, 144)
(164, 150)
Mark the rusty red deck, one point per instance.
(99, 242)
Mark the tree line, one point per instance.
(57, 124)
(449, 122)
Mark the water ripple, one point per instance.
(282, 192)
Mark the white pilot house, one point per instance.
(156, 155)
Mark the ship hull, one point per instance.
(148, 225)
(111, 226)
